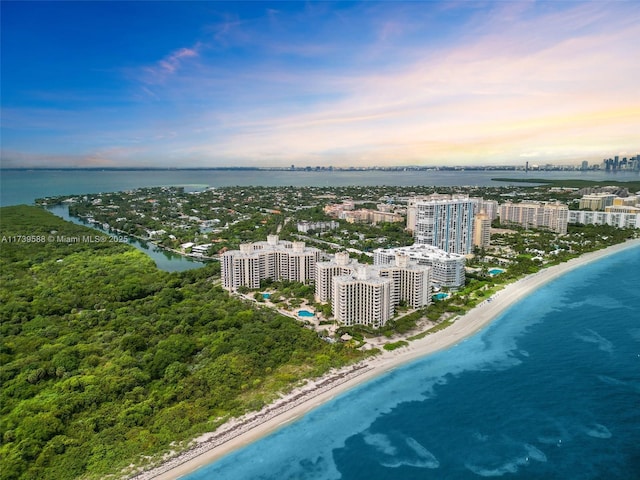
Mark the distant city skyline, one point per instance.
(274, 84)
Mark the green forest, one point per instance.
(104, 359)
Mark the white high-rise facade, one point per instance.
(341, 264)
(274, 259)
(447, 269)
(490, 207)
(443, 221)
(367, 295)
(411, 281)
(363, 298)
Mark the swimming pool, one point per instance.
(440, 296)
(306, 313)
(495, 271)
(266, 296)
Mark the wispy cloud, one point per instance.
(169, 65)
(385, 83)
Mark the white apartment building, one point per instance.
(407, 281)
(275, 259)
(443, 221)
(341, 264)
(553, 216)
(616, 219)
(411, 282)
(305, 227)
(362, 298)
(447, 269)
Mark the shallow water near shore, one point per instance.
(551, 389)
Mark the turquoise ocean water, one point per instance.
(550, 390)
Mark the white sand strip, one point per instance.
(251, 427)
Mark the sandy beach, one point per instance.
(251, 427)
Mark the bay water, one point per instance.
(24, 186)
(549, 390)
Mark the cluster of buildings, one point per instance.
(617, 163)
(605, 208)
(359, 294)
(445, 229)
(368, 294)
(347, 211)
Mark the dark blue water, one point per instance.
(550, 390)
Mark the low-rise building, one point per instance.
(306, 227)
(615, 219)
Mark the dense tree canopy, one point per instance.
(104, 358)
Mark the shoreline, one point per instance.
(237, 433)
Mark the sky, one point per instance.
(212, 84)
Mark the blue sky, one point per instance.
(206, 84)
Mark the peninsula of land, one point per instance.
(240, 432)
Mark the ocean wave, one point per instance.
(635, 386)
(382, 443)
(497, 468)
(635, 334)
(597, 430)
(594, 337)
(425, 459)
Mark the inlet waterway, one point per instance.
(164, 259)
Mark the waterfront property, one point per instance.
(362, 298)
(274, 259)
(368, 295)
(613, 218)
(447, 269)
(442, 221)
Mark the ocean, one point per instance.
(549, 390)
